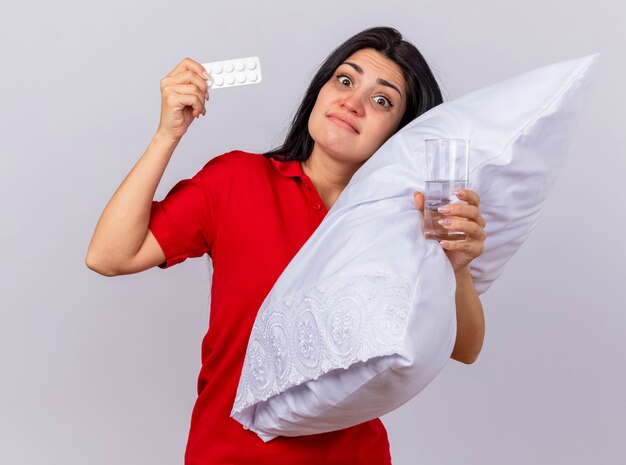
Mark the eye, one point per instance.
(342, 78)
(385, 101)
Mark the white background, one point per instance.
(102, 370)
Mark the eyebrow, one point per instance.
(380, 81)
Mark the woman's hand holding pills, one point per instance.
(465, 218)
(184, 92)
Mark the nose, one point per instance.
(353, 103)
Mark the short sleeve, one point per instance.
(185, 222)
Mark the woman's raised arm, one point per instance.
(122, 242)
(469, 310)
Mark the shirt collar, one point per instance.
(290, 168)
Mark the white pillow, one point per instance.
(363, 317)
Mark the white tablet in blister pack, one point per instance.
(236, 72)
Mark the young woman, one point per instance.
(251, 213)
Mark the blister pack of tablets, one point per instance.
(236, 72)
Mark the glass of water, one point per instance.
(447, 169)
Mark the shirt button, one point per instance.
(307, 185)
(317, 206)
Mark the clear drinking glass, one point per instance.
(447, 163)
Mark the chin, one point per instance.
(345, 155)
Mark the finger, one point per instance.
(472, 248)
(481, 221)
(468, 196)
(188, 100)
(193, 98)
(470, 228)
(189, 89)
(460, 209)
(418, 197)
(188, 77)
(187, 64)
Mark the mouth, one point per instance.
(343, 123)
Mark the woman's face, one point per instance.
(359, 108)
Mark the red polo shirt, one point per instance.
(251, 215)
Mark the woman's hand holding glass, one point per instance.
(465, 218)
(184, 92)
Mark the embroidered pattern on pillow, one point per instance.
(334, 324)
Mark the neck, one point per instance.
(327, 175)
